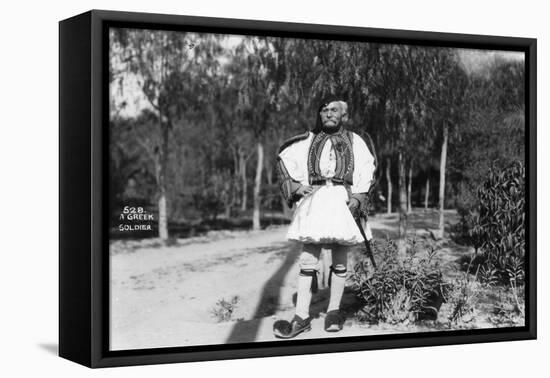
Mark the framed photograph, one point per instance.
(234, 188)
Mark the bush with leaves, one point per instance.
(499, 223)
(210, 199)
(463, 299)
(223, 311)
(400, 292)
(509, 308)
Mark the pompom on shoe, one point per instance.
(287, 330)
(334, 321)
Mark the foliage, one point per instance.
(186, 107)
(463, 298)
(477, 290)
(208, 203)
(509, 309)
(223, 311)
(401, 292)
(494, 131)
(498, 225)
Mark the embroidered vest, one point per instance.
(342, 145)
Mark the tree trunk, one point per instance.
(257, 187)
(402, 179)
(442, 168)
(236, 166)
(427, 194)
(228, 198)
(388, 180)
(163, 219)
(268, 172)
(409, 189)
(227, 212)
(242, 163)
(161, 181)
(236, 178)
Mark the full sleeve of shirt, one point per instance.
(364, 166)
(292, 169)
(363, 173)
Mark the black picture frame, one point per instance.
(83, 140)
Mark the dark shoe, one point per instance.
(285, 330)
(334, 321)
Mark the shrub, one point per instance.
(209, 203)
(499, 223)
(467, 204)
(463, 298)
(223, 311)
(509, 309)
(398, 292)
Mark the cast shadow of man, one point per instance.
(247, 331)
(349, 305)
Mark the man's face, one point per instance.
(332, 115)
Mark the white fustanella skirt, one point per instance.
(323, 217)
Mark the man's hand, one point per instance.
(353, 205)
(304, 190)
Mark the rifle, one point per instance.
(368, 245)
(376, 179)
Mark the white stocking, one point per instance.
(304, 296)
(337, 284)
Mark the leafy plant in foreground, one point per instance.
(223, 311)
(500, 222)
(400, 292)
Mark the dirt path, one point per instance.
(166, 296)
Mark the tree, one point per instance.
(447, 109)
(170, 73)
(493, 134)
(405, 110)
(409, 188)
(264, 74)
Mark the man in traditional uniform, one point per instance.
(327, 173)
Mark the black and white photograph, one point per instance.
(267, 188)
(275, 189)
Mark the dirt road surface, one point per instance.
(166, 296)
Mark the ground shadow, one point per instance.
(349, 304)
(50, 347)
(246, 331)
